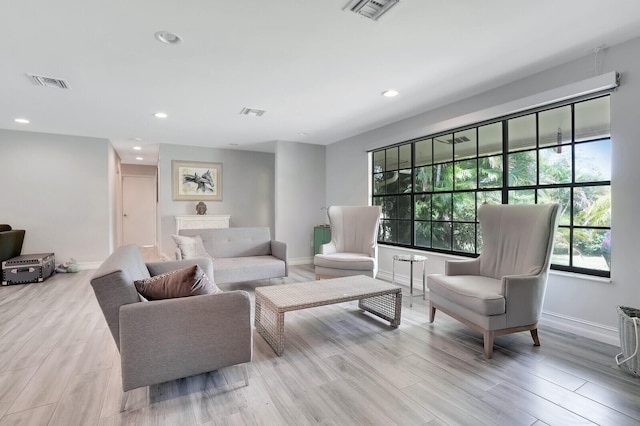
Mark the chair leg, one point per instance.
(245, 374)
(432, 312)
(123, 401)
(488, 344)
(534, 335)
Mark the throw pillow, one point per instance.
(190, 247)
(191, 281)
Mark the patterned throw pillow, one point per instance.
(191, 281)
(190, 247)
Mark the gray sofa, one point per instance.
(242, 254)
(169, 339)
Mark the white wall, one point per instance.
(573, 302)
(57, 188)
(300, 196)
(247, 189)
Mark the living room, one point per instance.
(63, 188)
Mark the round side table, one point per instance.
(411, 258)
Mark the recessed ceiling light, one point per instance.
(167, 37)
(390, 93)
(139, 158)
(21, 120)
(160, 115)
(137, 148)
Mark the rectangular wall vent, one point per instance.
(371, 9)
(49, 81)
(457, 140)
(252, 112)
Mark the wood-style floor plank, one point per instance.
(341, 366)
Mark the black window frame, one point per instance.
(448, 225)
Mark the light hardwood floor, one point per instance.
(59, 366)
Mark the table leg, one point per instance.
(393, 272)
(424, 267)
(411, 282)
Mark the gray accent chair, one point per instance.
(502, 290)
(353, 249)
(164, 340)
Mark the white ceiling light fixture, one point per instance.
(167, 37)
(160, 115)
(21, 120)
(371, 9)
(137, 148)
(390, 93)
(139, 158)
(253, 112)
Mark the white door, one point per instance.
(139, 210)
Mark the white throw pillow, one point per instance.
(190, 247)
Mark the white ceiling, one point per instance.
(317, 70)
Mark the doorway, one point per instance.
(139, 210)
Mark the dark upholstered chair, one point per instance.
(502, 290)
(10, 242)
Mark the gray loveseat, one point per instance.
(169, 339)
(242, 254)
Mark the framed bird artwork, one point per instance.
(196, 181)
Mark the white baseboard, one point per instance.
(601, 333)
(89, 265)
(301, 261)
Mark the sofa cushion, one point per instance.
(477, 293)
(247, 268)
(234, 242)
(191, 281)
(354, 261)
(190, 247)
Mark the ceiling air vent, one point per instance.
(460, 139)
(372, 9)
(252, 112)
(48, 81)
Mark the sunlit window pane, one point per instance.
(490, 139)
(464, 235)
(441, 235)
(522, 168)
(593, 161)
(592, 206)
(555, 165)
(561, 196)
(522, 133)
(593, 119)
(554, 126)
(490, 172)
(464, 206)
(424, 155)
(423, 234)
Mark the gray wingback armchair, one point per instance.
(353, 249)
(502, 290)
(169, 339)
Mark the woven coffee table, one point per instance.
(375, 296)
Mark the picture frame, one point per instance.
(196, 181)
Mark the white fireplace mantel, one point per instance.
(205, 221)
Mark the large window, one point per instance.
(430, 188)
